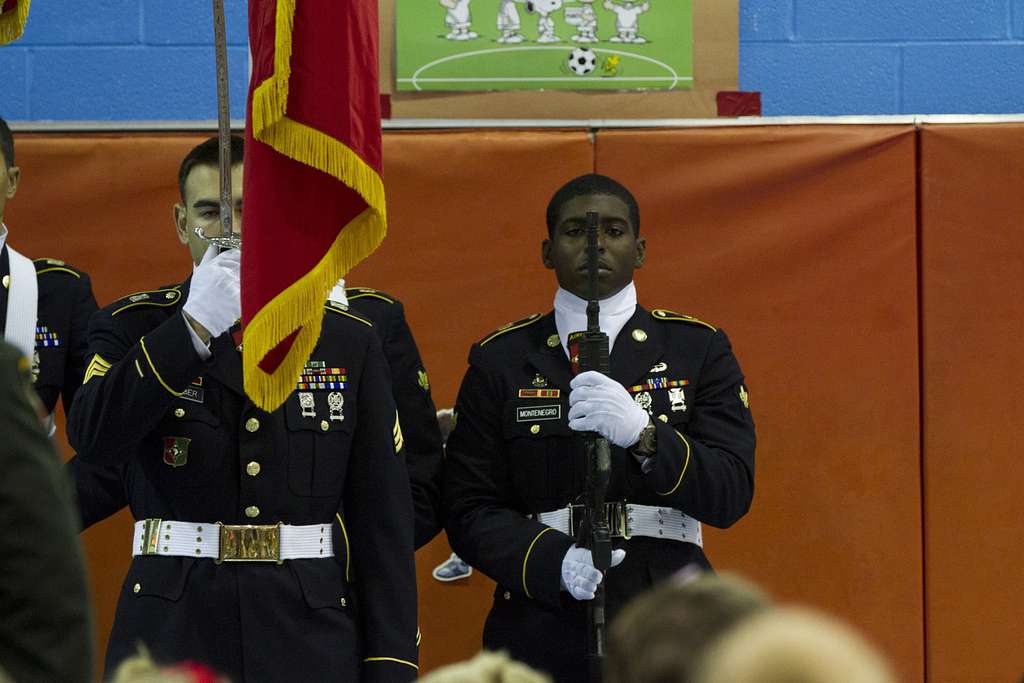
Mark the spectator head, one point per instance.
(486, 667)
(793, 645)
(660, 635)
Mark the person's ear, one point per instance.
(13, 176)
(641, 253)
(180, 223)
(545, 255)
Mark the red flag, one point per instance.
(13, 15)
(314, 200)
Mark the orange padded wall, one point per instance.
(801, 243)
(972, 201)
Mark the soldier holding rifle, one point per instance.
(673, 409)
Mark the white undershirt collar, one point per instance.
(571, 314)
(337, 294)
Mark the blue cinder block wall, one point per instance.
(832, 57)
(151, 59)
(122, 59)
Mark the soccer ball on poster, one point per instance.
(582, 61)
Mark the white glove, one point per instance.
(214, 299)
(600, 404)
(578, 574)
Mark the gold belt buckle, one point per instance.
(618, 519)
(249, 543)
(150, 536)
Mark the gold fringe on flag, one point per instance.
(12, 22)
(301, 304)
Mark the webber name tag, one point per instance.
(536, 413)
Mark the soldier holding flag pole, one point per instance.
(261, 547)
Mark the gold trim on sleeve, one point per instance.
(685, 465)
(391, 659)
(344, 535)
(527, 557)
(156, 373)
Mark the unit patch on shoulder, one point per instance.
(745, 397)
(670, 316)
(49, 262)
(508, 327)
(154, 297)
(422, 379)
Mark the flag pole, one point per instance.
(220, 44)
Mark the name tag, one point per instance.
(193, 393)
(535, 413)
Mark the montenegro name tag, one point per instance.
(537, 413)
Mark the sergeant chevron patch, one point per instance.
(397, 433)
(97, 368)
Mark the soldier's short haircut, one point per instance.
(6, 144)
(207, 153)
(591, 184)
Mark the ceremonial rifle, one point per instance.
(594, 533)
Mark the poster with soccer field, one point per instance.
(544, 45)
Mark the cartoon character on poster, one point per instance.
(458, 20)
(508, 21)
(627, 20)
(546, 23)
(585, 20)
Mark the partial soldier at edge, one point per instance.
(45, 303)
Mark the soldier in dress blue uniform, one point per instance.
(674, 410)
(240, 511)
(410, 386)
(45, 311)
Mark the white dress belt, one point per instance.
(636, 520)
(232, 542)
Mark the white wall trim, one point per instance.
(434, 124)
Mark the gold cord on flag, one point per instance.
(13, 15)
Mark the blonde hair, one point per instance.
(486, 667)
(794, 645)
(141, 668)
(662, 634)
